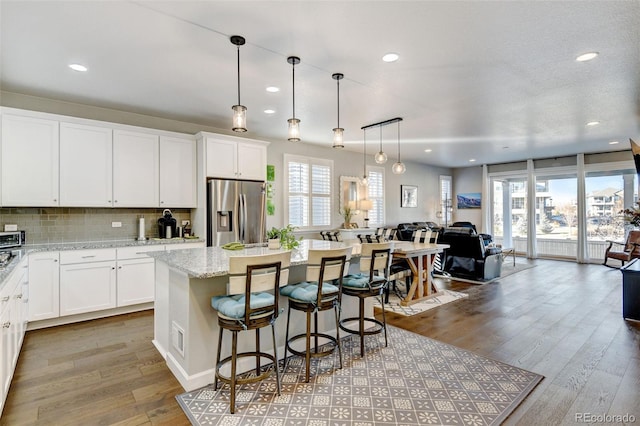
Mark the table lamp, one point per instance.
(366, 205)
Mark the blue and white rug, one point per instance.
(415, 380)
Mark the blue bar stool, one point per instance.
(370, 282)
(252, 303)
(320, 292)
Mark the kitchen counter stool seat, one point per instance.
(372, 281)
(320, 292)
(254, 283)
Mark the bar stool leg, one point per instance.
(307, 358)
(275, 354)
(234, 358)
(286, 342)
(215, 382)
(336, 309)
(361, 326)
(384, 322)
(257, 351)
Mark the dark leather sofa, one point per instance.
(405, 230)
(468, 257)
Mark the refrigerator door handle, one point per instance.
(242, 217)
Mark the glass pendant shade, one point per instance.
(380, 157)
(239, 111)
(239, 118)
(398, 168)
(294, 130)
(338, 137)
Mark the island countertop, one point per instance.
(211, 262)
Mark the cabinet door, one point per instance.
(136, 281)
(29, 161)
(177, 172)
(85, 166)
(135, 169)
(87, 287)
(252, 161)
(44, 286)
(222, 159)
(6, 352)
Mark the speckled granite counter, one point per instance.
(20, 252)
(211, 262)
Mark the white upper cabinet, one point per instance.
(135, 169)
(177, 172)
(29, 161)
(235, 159)
(85, 166)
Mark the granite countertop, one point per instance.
(211, 262)
(21, 252)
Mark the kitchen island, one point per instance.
(185, 325)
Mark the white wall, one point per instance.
(465, 180)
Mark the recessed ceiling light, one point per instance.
(273, 89)
(587, 56)
(78, 67)
(269, 111)
(593, 123)
(427, 150)
(614, 143)
(390, 57)
(473, 160)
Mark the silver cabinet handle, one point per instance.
(5, 299)
(6, 324)
(55, 260)
(87, 257)
(19, 296)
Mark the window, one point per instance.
(376, 195)
(308, 191)
(445, 199)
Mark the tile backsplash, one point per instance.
(44, 225)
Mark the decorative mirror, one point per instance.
(350, 192)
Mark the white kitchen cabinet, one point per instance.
(135, 275)
(44, 285)
(85, 166)
(29, 152)
(136, 169)
(235, 159)
(12, 325)
(87, 281)
(177, 172)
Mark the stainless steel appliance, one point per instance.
(12, 239)
(235, 212)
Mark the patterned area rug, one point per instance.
(440, 298)
(415, 380)
(507, 269)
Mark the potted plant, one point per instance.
(282, 237)
(346, 213)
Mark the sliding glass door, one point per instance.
(557, 216)
(509, 212)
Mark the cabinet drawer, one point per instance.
(137, 252)
(83, 256)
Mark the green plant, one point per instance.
(287, 239)
(346, 213)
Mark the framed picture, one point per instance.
(469, 200)
(409, 196)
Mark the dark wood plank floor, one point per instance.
(558, 319)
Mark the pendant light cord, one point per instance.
(399, 142)
(293, 78)
(338, 82)
(239, 75)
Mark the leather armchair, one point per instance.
(468, 257)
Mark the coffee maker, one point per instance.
(167, 225)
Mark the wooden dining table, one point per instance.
(420, 257)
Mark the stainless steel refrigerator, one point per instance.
(235, 212)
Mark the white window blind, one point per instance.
(446, 204)
(309, 191)
(376, 195)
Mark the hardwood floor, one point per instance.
(558, 319)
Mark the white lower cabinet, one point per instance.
(87, 281)
(44, 283)
(136, 275)
(13, 323)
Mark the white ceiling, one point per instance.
(496, 81)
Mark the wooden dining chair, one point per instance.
(630, 249)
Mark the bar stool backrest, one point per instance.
(326, 265)
(375, 258)
(252, 274)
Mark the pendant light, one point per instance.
(294, 123)
(380, 157)
(364, 180)
(239, 111)
(398, 168)
(338, 132)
